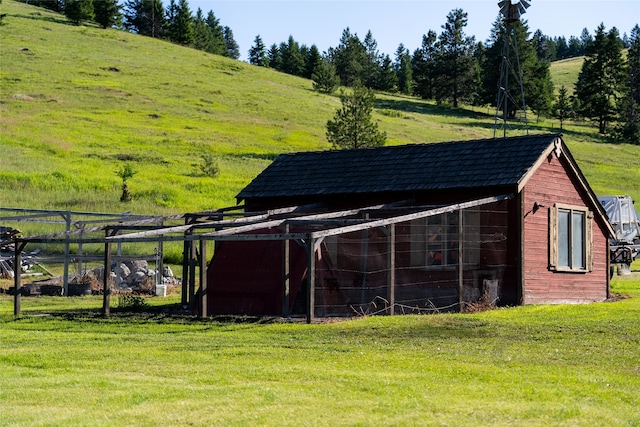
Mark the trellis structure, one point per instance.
(293, 226)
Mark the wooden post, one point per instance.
(203, 278)
(106, 276)
(186, 257)
(193, 261)
(392, 268)
(65, 272)
(17, 272)
(311, 279)
(286, 272)
(460, 259)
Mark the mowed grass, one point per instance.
(576, 365)
(77, 102)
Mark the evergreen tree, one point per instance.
(388, 80)
(144, 17)
(275, 58)
(180, 23)
(371, 68)
(404, 74)
(352, 126)
(423, 65)
(201, 32)
(629, 129)
(218, 45)
(562, 48)
(562, 107)
(324, 77)
(292, 59)
(349, 59)
(233, 50)
(601, 78)
(258, 54)
(312, 60)
(107, 13)
(537, 84)
(79, 10)
(455, 64)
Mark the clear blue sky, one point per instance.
(394, 22)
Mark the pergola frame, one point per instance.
(198, 226)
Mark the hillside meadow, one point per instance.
(78, 102)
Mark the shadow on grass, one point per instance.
(37, 16)
(421, 107)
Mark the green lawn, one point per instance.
(576, 365)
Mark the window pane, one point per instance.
(577, 234)
(563, 238)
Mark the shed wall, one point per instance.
(552, 183)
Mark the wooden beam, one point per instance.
(186, 256)
(408, 217)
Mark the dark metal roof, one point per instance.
(415, 167)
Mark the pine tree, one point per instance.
(79, 10)
(258, 54)
(388, 81)
(352, 126)
(562, 107)
(292, 59)
(371, 68)
(312, 60)
(202, 34)
(601, 78)
(218, 46)
(537, 84)
(107, 13)
(423, 64)
(455, 65)
(403, 70)
(275, 58)
(144, 17)
(349, 59)
(628, 130)
(180, 23)
(324, 77)
(233, 50)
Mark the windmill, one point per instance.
(511, 13)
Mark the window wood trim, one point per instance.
(553, 238)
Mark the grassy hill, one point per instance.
(77, 102)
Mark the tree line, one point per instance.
(174, 22)
(449, 68)
(453, 68)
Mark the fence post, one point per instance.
(311, 279)
(203, 278)
(106, 287)
(17, 271)
(392, 268)
(286, 267)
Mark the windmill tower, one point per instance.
(511, 13)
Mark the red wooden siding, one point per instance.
(553, 182)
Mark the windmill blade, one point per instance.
(504, 7)
(525, 3)
(521, 9)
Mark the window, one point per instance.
(434, 240)
(570, 238)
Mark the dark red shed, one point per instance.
(422, 226)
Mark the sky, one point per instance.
(394, 22)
